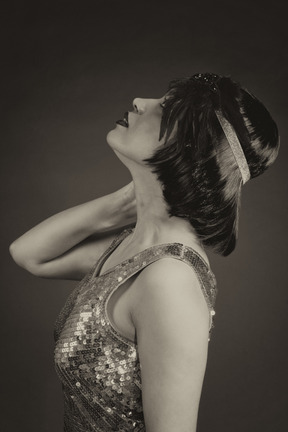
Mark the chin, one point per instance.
(111, 138)
(114, 142)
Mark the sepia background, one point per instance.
(69, 70)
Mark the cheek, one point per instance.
(145, 134)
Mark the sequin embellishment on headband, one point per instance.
(98, 367)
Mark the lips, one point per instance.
(124, 122)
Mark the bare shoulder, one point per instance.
(170, 277)
(169, 289)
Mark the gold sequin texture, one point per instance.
(98, 367)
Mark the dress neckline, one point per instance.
(122, 237)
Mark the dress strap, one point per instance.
(115, 242)
(119, 274)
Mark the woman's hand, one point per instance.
(128, 208)
(67, 244)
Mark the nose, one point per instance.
(139, 105)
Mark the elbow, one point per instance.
(13, 249)
(22, 259)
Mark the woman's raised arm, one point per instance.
(67, 244)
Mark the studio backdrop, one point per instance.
(69, 70)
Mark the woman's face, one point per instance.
(136, 137)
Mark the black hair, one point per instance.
(200, 177)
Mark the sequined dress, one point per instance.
(98, 367)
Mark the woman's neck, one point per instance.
(154, 224)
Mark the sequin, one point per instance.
(207, 79)
(99, 368)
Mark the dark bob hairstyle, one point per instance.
(200, 177)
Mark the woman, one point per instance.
(132, 339)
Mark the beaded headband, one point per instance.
(211, 81)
